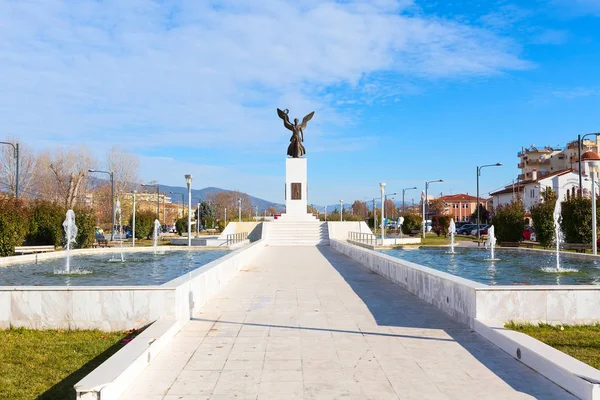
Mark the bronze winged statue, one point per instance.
(296, 148)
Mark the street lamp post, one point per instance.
(225, 224)
(198, 220)
(188, 181)
(112, 195)
(382, 188)
(133, 221)
(593, 161)
(341, 210)
(386, 197)
(478, 174)
(403, 192)
(239, 210)
(15, 147)
(579, 143)
(374, 217)
(325, 213)
(426, 204)
(256, 212)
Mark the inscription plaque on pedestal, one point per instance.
(296, 191)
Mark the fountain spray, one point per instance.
(70, 235)
(452, 231)
(558, 235)
(118, 215)
(491, 241)
(156, 234)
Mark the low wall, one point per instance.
(369, 244)
(113, 308)
(451, 294)
(252, 228)
(466, 300)
(339, 229)
(568, 304)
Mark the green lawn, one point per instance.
(434, 240)
(46, 364)
(579, 341)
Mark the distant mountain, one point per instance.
(206, 192)
(347, 206)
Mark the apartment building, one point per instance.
(549, 160)
(462, 206)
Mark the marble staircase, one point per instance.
(301, 232)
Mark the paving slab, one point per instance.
(306, 322)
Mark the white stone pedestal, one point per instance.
(296, 191)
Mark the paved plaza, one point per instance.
(310, 323)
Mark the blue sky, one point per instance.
(404, 91)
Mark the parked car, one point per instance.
(465, 229)
(529, 233)
(483, 230)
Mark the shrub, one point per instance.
(543, 218)
(509, 222)
(412, 222)
(182, 226)
(576, 222)
(86, 227)
(440, 224)
(45, 224)
(484, 215)
(13, 225)
(144, 224)
(353, 217)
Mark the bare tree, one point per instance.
(8, 170)
(360, 208)
(125, 167)
(62, 176)
(229, 200)
(390, 209)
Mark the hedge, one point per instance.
(13, 225)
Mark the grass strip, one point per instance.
(45, 364)
(579, 341)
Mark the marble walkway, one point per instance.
(309, 323)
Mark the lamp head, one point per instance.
(382, 185)
(91, 170)
(498, 164)
(188, 179)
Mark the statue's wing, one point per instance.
(286, 119)
(306, 119)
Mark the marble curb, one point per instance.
(572, 375)
(115, 375)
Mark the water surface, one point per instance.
(139, 268)
(509, 268)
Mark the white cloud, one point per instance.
(94, 71)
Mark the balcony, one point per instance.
(521, 165)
